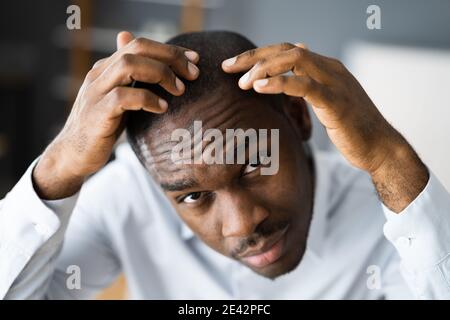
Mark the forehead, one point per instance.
(217, 111)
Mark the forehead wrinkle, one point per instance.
(163, 147)
(216, 113)
(160, 153)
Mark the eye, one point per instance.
(191, 197)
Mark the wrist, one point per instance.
(400, 177)
(53, 176)
(391, 153)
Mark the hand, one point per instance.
(352, 121)
(86, 142)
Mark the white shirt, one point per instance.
(122, 222)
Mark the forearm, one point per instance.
(52, 179)
(401, 176)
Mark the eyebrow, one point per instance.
(179, 185)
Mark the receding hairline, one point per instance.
(213, 47)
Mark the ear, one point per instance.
(297, 111)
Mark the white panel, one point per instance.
(411, 87)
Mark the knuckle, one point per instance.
(98, 63)
(283, 80)
(91, 75)
(309, 83)
(286, 45)
(165, 73)
(337, 63)
(312, 85)
(174, 52)
(329, 94)
(116, 96)
(146, 97)
(259, 66)
(299, 52)
(250, 53)
(138, 43)
(126, 60)
(262, 62)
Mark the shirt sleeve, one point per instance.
(42, 254)
(29, 225)
(421, 235)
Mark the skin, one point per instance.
(233, 208)
(353, 123)
(236, 212)
(95, 123)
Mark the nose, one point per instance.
(241, 214)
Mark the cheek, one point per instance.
(289, 186)
(207, 230)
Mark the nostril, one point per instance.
(252, 242)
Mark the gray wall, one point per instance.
(327, 26)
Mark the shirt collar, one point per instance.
(317, 228)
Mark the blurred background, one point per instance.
(404, 66)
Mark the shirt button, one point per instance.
(403, 242)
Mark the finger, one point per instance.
(268, 67)
(298, 60)
(123, 38)
(247, 59)
(99, 62)
(297, 86)
(181, 60)
(134, 67)
(95, 71)
(122, 99)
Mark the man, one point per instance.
(312, 229)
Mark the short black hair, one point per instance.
(213, 47)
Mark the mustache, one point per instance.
(261, 232)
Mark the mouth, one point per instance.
(269, 252)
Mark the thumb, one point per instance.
(123, 38)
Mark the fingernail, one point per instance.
(191, 55)
(261, 82)
(229, 62)
(244, 79)
(193, 69)
(179, 84)
(163, 104)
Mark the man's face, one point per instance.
(260, 220)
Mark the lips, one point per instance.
(269, 252)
